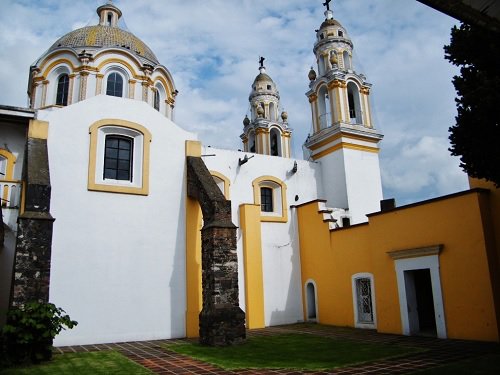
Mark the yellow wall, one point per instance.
(330, 258)
(252, 260)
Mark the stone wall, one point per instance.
(222, 322)
(31, 274)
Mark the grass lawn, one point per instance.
(484, 365)
(291, 351)
(92, 363)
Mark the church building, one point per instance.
(100, 217)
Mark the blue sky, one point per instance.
(211, 47)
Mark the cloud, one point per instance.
(211, 48)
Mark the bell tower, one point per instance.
(266, 132)
(344, 140)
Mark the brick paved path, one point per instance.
(162, 361)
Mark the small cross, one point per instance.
(327, 4)
(261, 61)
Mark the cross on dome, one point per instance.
(327, 4)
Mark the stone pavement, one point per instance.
(162, 361)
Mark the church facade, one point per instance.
(98, 220)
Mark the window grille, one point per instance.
(364, 300)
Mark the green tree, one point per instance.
(476, 135)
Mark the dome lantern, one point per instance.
(109, 14)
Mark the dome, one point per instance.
(263, 77)
(100, 36)
(330, 22)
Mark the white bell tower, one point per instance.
(344, 140)
(266, 132)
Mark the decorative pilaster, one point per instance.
(45, 83)
(131, 88)
(98, 84)
(83, 85)
(70, 88)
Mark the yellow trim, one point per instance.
(122, 62)
(337, 136)
(11, 160)
(256, 198)
(227, 183)
(340, 145)
(252, 261)
(193, 148)
(38, 129)
(94, 130)
(194, 301)
(167, 86)
(9, 170)
(53, 64)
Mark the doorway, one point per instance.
(420, 302)
(311, 312)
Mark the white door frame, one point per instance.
(430, 262)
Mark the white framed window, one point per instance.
(119, 157)
(116, 80)
(363, 297)
(270, 194)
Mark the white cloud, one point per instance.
(211, 47)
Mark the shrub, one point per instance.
(30, 331)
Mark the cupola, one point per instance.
(109, 14)
(265, 132)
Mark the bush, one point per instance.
(30, 331)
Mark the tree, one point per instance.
(476, 135)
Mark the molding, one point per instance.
(347, 146)
(257, 183)
(416, 252)
(111, 188)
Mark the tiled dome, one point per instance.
(99, 36)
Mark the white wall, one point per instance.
(118, 260)
(364, 185)
(280, 248)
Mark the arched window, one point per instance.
(341, 33)
(156, 103)
(354, 103)
(118, 158)
(275, 139)
(252, 147)
(347, 60)
(62, 90)
(324, 108)
(270, 193)
(114, 85)
(272, 111)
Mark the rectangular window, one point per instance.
(266, 199)
(118, 158)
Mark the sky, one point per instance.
(212, 48)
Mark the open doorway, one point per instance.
(311, 307)
(420, 302)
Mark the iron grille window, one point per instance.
(62, 90)
(364, 300)
(266, 199)
(118, 158)
(114, 86)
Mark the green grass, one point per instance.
(291, 351)
(484, 365)
(92, 363)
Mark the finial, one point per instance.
(328, 11)
(262, 68)
(327, 4)
(312, 74)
